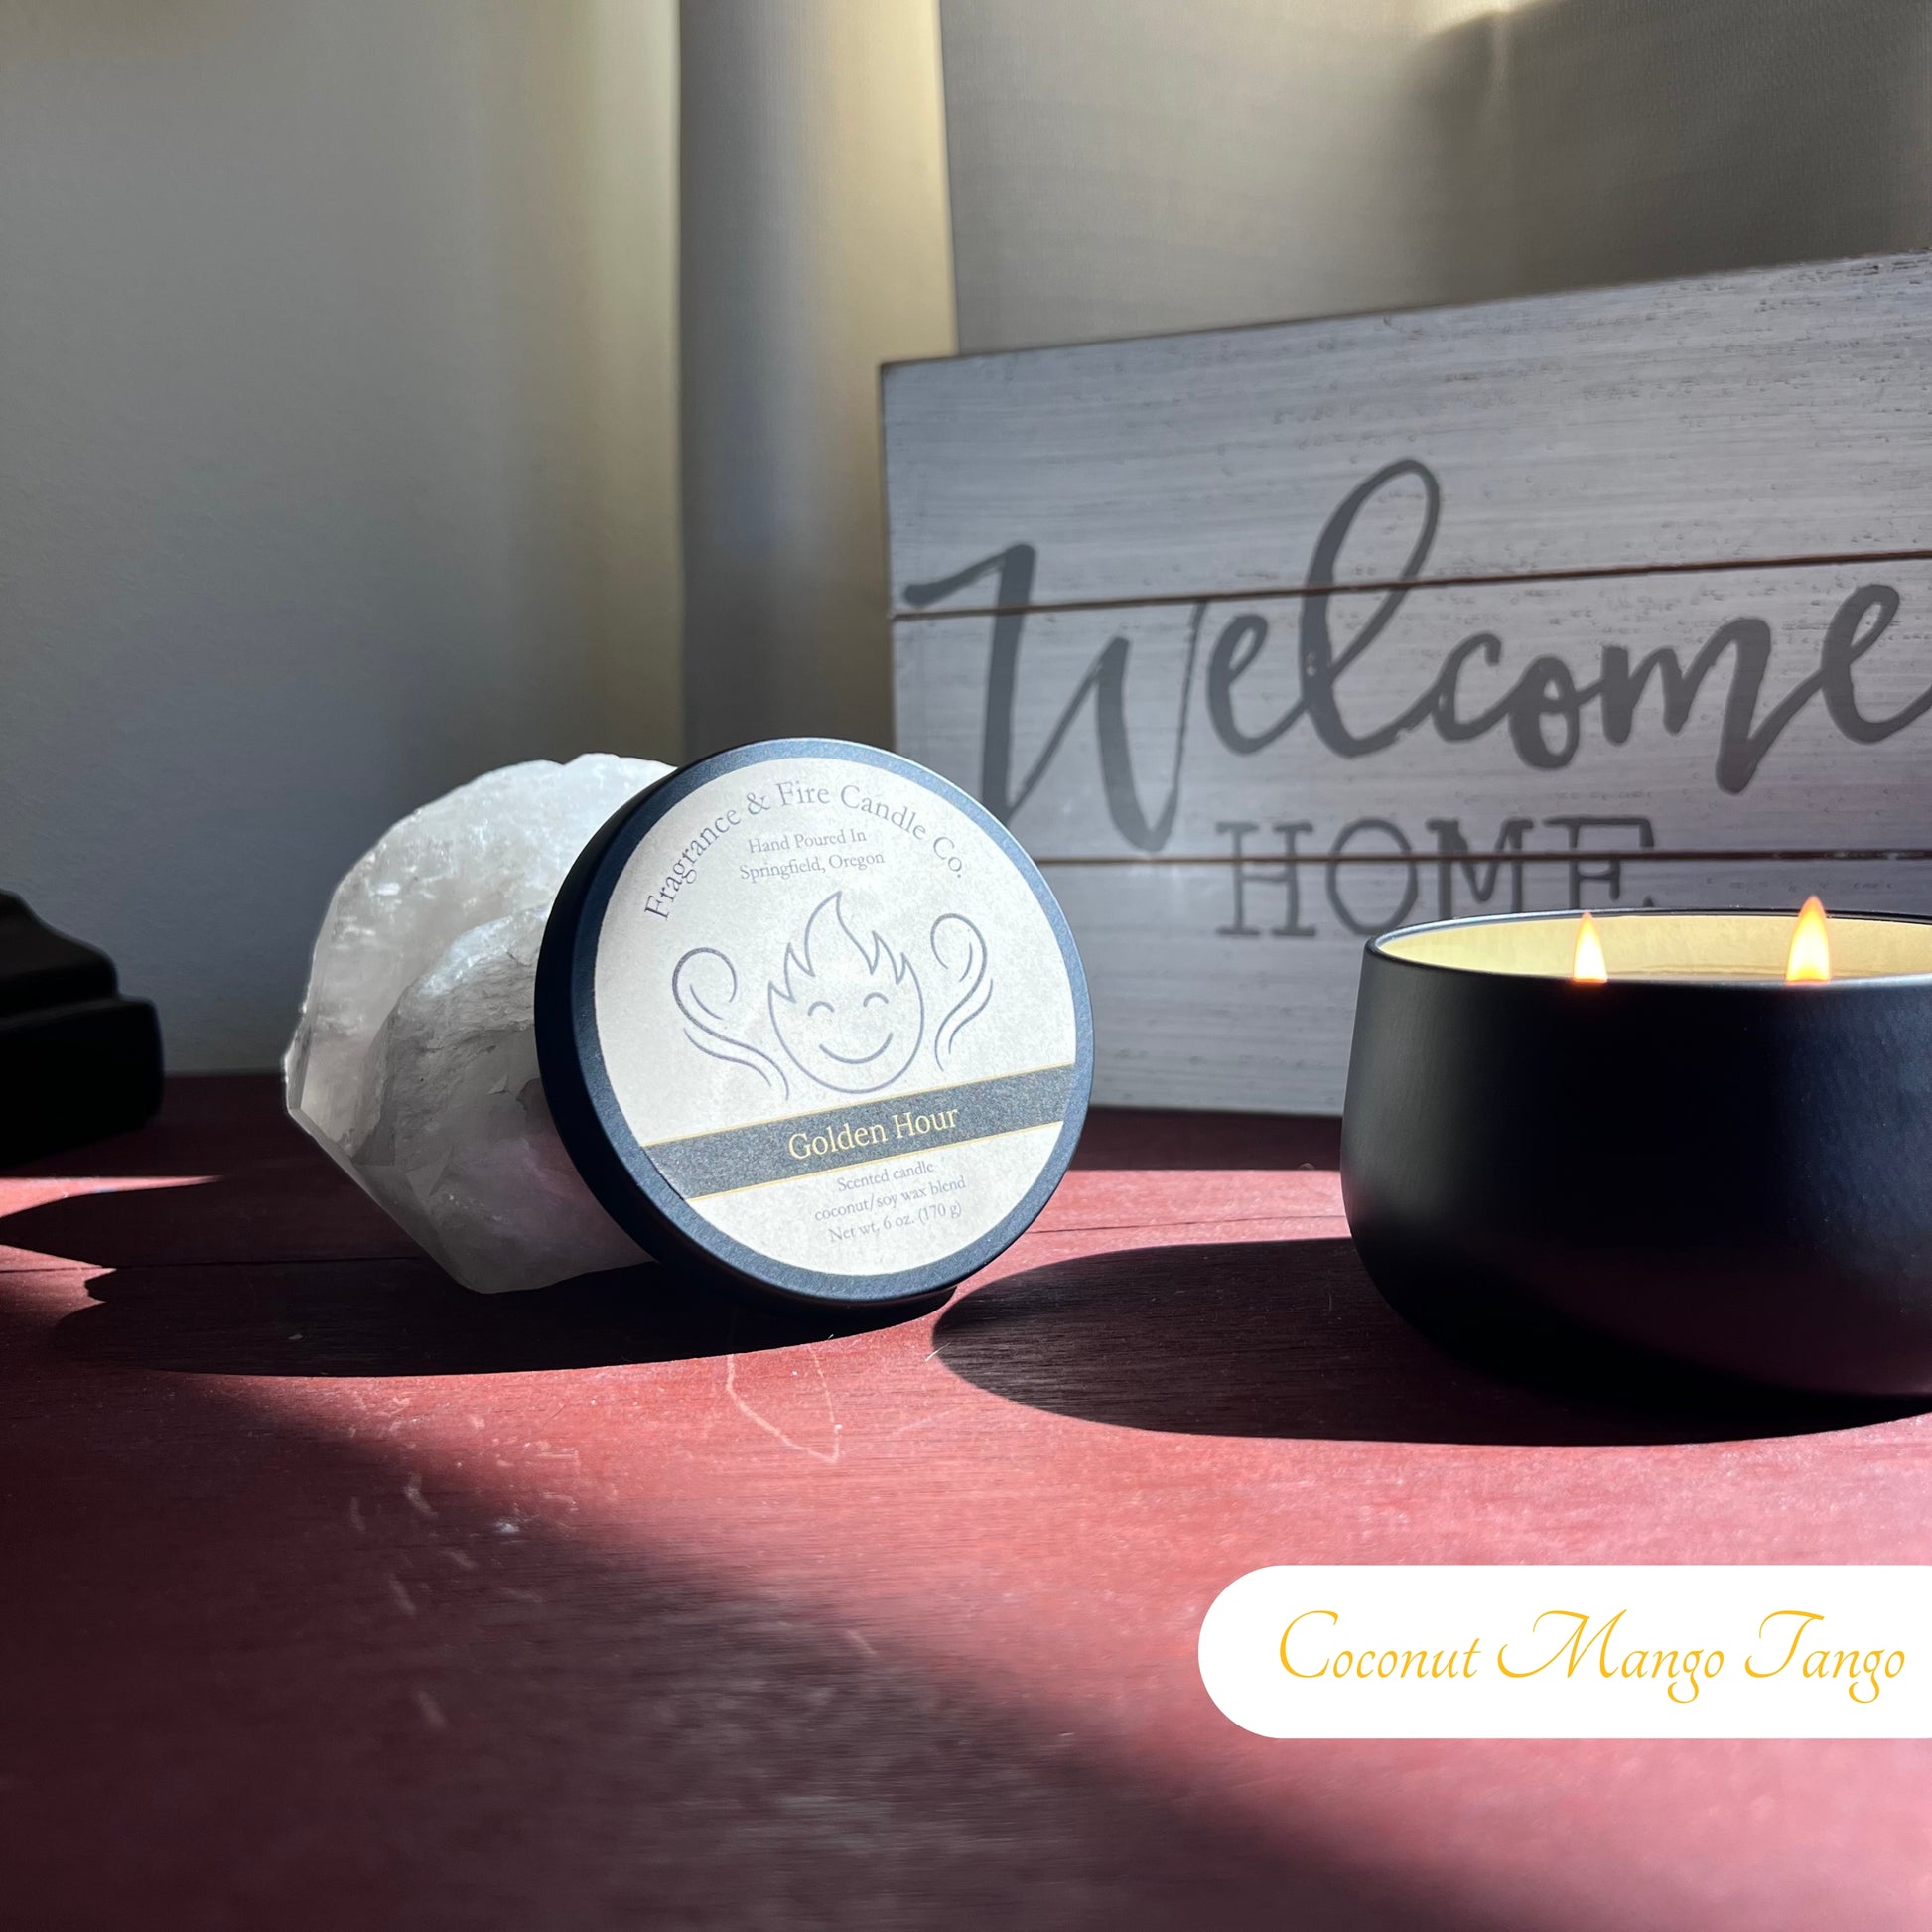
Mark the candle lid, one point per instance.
(809, 1018)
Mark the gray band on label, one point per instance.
(861, 1131)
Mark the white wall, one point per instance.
(337, 450)
(1125, 165)
(1571, 142)
(1121, 167)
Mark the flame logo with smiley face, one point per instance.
(849, 1016)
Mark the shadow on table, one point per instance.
(308, 1695)
(406, 1317)
(1291, 1339)
(181, 1295)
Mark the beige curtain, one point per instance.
(814, 248)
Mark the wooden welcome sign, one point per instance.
(1268, 639)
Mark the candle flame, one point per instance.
(1810, 958)
(1586, 964)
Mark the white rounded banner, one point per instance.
(1574, 1650)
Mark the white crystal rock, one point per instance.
(415, 1061)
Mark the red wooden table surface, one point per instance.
(335, 1596)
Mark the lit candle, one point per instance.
(1593, 948)
(1587, 962)
(1810, 956)
(1705, 1135)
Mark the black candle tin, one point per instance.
(1693, 1157)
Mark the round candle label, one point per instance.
(825, 1025)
